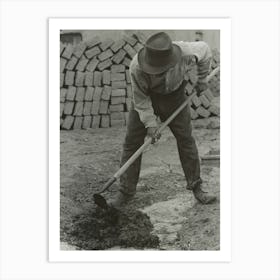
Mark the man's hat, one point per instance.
(158, 54)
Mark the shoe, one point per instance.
(203, 197)
(120, 200)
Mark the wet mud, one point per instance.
(99, 229)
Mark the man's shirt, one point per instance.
(143, 83)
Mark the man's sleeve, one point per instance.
(203, 55)
(141, 99)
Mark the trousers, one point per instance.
(164, 106)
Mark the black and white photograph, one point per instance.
(140, 140)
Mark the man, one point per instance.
(157, 74)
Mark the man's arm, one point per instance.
(141, 99)
(203, 56)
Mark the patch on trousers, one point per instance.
(98, 229)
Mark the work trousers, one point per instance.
(164, 106)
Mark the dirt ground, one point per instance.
(162, 216)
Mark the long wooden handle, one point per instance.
(149, 140)
(213, 73)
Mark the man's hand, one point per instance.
(153, 133)
(200, 87)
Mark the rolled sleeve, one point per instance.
(203, 56)
(141, 99)
(203, 53)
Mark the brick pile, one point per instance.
(201, 106)
(214, 84)
(95, 85)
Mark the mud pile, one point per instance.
(99, 229)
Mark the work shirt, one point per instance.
(143, 84)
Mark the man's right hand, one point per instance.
(153, 133)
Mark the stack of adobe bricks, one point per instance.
(201, 106)
(95, 85)
(214, 83)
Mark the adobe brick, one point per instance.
(88, 78)
(118, 100)
(196, 101)
(63, 62)
(95, 121)
(97, 76)
(204, 100)
(92, 52)
(79, 49)
(117, 77)
(87, 108)
(208, 94)
(95, 107)
(69, 78)
(106, 44)
(119, 56)
(116, 108)
(68, 51)
(138, 47)
(117, 116)
(118, 92)
(202, 112)
(68, 122)
(130, 40)
(63, 92)
(61, 108)
(72, 63)
(62, 76)
(119, 85)
(78, 122)
(106, 77)
(104, 64)
(93, 42)
(105, 121)
(89, 94)
(71, 93)
(130, 51)
(97, 93)
(80, 78)
(87, 122)
(79, 108)
(103, 109)
(80, 94)
(126, 62)
(214, 110)
(82, 64)
(117, 45)
(117, 68)
(105, 55)
(92, 64)
(106, 94)
(68, 107)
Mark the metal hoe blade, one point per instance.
(100, 201)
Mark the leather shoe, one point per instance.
(202, 196)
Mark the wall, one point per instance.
(212, 37)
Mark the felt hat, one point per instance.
(159, 54)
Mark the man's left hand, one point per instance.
(153, 133)
(200, 87)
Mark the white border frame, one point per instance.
(57, 255)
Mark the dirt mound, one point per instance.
(99, 229)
